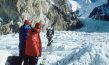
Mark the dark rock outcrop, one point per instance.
(101, 12)
(35, 11)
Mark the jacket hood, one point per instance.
(27, 22)
(37, 25)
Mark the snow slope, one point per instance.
(92, 25)
(85, 7)
(86, 46)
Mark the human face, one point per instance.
(40, 27)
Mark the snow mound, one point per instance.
(3, 56)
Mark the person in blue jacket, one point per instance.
(22, 42)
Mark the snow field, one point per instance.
(86, 46)
(80, 48)
(77, 48)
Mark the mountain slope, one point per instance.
(44, 11)
(101, 12)
(83, 8)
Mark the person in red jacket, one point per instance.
(33, 44)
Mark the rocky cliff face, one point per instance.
(44, 11)
(101, 12)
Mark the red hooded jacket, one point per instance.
(33, 43)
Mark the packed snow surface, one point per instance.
(86, 46)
